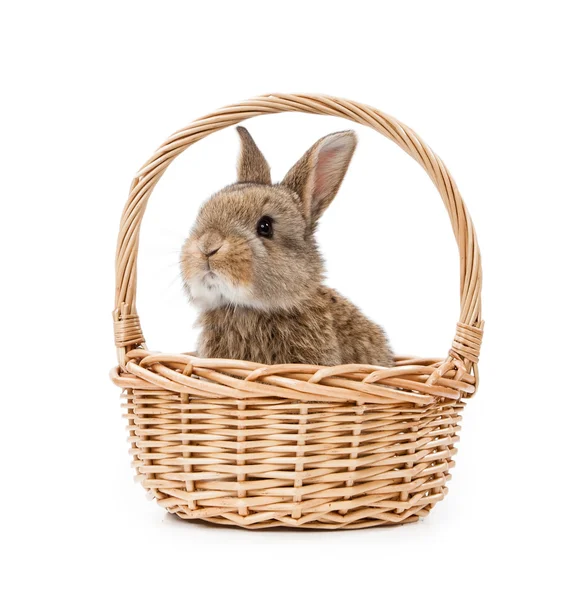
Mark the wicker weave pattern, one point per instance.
(294, 445)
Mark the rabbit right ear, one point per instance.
(317, 176)
(252, 166)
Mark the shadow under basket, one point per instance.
(253, 445)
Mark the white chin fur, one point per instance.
(212, 292)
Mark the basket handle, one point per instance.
(128, 333)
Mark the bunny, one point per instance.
(252, 266)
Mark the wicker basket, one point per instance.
(295, 445)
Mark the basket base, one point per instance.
(314, 525)
(362, 519)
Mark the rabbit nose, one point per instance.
(210, 253)
(210, 243)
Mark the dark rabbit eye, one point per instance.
(265, 227)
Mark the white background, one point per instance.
(89, 90)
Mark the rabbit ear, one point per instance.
(317, 176)
(252, 166)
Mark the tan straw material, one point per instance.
(258, 445)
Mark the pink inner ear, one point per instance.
(328, 170)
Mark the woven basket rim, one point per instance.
(415, 382)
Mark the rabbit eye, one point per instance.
(265, 227)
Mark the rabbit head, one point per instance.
(253, 242)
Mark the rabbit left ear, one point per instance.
(252, 166)
(317, 176)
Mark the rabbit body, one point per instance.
(327, 330)
(252, 266)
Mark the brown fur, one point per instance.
(262, 298)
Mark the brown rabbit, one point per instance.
(252, 266)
